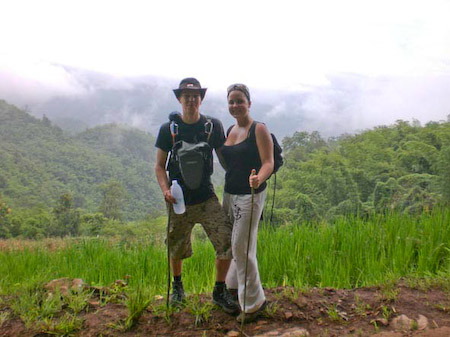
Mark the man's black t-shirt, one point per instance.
(192, 133)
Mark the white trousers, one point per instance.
(238, 208)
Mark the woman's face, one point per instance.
(238, 104)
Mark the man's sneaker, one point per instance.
(177, 296)
(223, 299)
(251, 317)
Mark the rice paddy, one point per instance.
(350, 253)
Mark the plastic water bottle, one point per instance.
(177, 193)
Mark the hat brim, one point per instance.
(177, 92)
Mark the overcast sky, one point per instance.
(278, 45)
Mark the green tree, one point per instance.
(92, 224)
(301, 144)
(418, 157)
(444, 169)
(112, 202)
(46, 121)
(67, 219)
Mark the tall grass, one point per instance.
(353, 252)
(350, 253)
(101, 262)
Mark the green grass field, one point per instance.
(350, 253)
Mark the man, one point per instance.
(202, 205)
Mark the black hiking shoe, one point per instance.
(253, 316)
(223, 299)
(234, 294)
(177, 297)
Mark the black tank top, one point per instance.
(240, 159)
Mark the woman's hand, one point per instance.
(253, 180)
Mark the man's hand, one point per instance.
(168, 197)
(253, 180)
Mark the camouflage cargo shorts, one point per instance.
(214, 221)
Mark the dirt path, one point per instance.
(316, 312)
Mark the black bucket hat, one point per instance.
(189, 83)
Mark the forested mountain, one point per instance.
(404, 167)
(39, 163)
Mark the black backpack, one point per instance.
(277, 156)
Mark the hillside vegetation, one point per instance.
(404, 167)
(105, 167)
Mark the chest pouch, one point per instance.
(193, 159)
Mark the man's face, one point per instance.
(190, 100)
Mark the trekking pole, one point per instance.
(174, 132)
(168, 256)
(273, 197)
(248, 248)
(265, 212)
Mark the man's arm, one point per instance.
(161, 175)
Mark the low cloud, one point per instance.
(347, 103)
(25, 82)
(351, 103)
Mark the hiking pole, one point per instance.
(266, 202)
(248, 248)
(273, 197)
(168, 256)
(174, 132)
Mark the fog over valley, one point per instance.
(76, 99)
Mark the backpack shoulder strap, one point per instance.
(252, 130)
(174, 116)
(209, 126)
(229, 130)
(173, 127)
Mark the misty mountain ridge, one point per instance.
(348, 104)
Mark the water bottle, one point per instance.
(177, 193)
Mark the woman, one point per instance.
(248, 155)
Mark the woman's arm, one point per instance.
(264, 143)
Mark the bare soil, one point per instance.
(320, 311)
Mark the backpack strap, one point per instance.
(173, 131)
(252, 130)
(229, 130)
(173, 126)
(209, 126)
